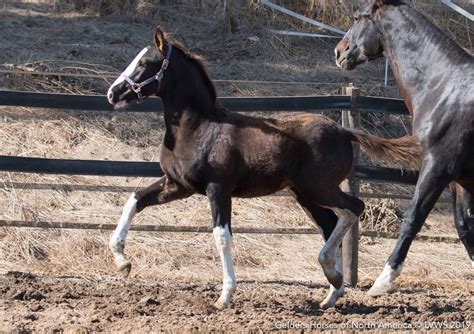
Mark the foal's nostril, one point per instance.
(110, 96)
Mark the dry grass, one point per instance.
(76, 135)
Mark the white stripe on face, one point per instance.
(130, 68)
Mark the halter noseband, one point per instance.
(137, 87)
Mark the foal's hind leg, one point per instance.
(325, 220)
(463, 200)
(340, 213)
(160, 192)
(347, 209)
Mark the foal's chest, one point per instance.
(184, 170)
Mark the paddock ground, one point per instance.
(79, 305)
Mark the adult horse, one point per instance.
(435, 77)
(211, 151)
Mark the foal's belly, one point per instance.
(259, 187)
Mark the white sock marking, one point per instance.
(223, 240)
(129, 70)
(117, 240)
(385, 283)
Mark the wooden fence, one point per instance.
(351, 103)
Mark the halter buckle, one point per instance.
(136, 87)
(165, 63)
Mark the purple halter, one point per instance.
(137, 87)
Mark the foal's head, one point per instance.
(144, 75)
(165, 68)
(363, 41)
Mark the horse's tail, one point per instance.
(406, 151)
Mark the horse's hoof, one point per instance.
(125, 269)
(327, 304)
(381, 289)
(220, 305)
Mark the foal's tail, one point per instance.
(406, 151)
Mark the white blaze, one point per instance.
(129, 70)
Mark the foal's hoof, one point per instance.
(327, 303)
(331, 298)
(125, 269)
(220, 305)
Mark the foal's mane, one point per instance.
(200, 65)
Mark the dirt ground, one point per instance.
(66, 281)
(77, 305)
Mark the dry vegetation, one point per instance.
(88, 43)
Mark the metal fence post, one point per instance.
(350, 243)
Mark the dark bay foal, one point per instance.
(435, 77)
(208, 150)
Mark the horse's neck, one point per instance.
(413, 52)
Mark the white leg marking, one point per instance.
(334, 294)
(223, 240)
(328, 254)
(129, 70)
(385, 282)
(117, 240)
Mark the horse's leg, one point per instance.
(325, 220)
(431, 183)
(160, 192)
(463, 200)
(220, 201)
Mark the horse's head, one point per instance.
(143, 76)
(363, 41)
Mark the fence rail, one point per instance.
(208, 229)
(153, 169)
(241, 104)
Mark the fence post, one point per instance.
(350, 243)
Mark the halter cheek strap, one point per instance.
(137, 87)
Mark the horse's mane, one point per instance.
(200, 65)
(438, 36)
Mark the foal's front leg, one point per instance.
(160, 192)
(221, 202)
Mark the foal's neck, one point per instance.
(418, 53)
(188, 106)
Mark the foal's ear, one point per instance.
(160, 40)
